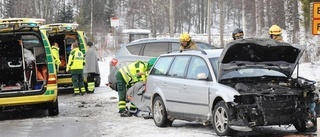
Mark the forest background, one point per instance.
(169, 18)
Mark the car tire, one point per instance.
(300, 126)
(53, 108)
(220, 121)
(159, 113)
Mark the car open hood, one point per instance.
(259, 53)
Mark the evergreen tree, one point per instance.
(65, 15)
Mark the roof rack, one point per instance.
(202, 51)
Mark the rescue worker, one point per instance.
(91, 69)
(135, 93)
(186, 42)
(75, 66)
(126, 77)
(275, 33)
(55, 54)
(237, 34)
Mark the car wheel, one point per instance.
(220, 120)
(300, 125)
(159, 113)
(53, 108)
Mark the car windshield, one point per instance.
(214, 64)
(246, 72)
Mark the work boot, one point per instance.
(125, 114)
(76, 94)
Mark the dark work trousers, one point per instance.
(77, 81)
(121, 86)
(122, 90)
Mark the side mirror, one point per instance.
(202, 76)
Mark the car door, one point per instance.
(195, 92)
(175, 82)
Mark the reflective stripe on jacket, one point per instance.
(75, 60)
(129, 72)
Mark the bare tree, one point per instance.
(244, 18)
(289, 22)
(302, 29)
(258, 18)
(221, 7)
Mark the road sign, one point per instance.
(316, 18)
(114, 22)
(316, 27)
(316, 10)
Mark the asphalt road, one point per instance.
(95, 115)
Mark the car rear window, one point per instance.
(134, 49)
(155, 49)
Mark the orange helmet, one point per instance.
(275, 30)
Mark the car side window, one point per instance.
(197, 65)
(179, 66)
(134, 49)
(175, 46)
(162, 66)
(155, 49)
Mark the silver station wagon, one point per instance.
(249, 83)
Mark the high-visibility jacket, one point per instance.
(55, 54)
(75, 60)
(129, 72)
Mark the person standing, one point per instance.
(91, 69)
(126, 77)
(75, 66)
(237, 34)
(186, 42)
(275, 33)
(55, 54)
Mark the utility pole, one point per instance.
(171, 18)
(209, 22)
(91, 20)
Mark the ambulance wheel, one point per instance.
(53, 108)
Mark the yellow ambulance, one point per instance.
(64, 34)
(28, 74)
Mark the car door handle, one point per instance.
(164, 84)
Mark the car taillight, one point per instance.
(52, 79)
(113, 62)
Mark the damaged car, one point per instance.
(247, 84)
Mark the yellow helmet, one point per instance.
(185, 37)
(275, 30)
